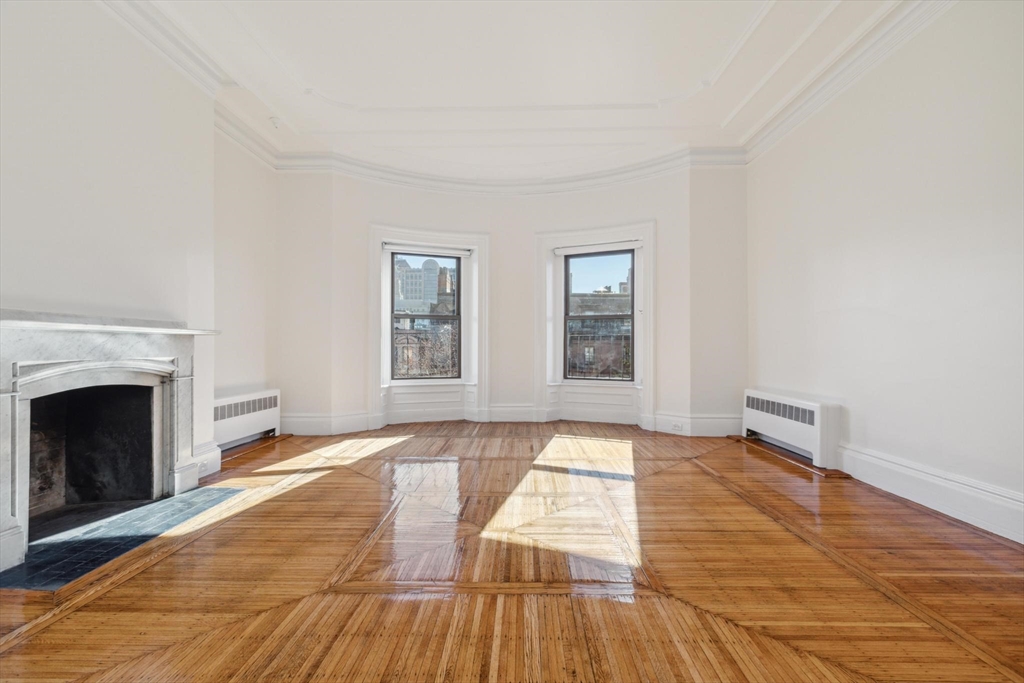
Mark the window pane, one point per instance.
(599, 349)
(600, 284)
(425, 284)
(424, 347)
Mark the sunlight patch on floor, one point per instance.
(585, 468)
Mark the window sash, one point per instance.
(403, 315)
(567, 279)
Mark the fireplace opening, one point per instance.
(91, 456)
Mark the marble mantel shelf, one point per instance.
(10, 319)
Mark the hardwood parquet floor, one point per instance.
(535, 552)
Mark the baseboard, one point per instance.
(12, 547)
(207, 456)
(346, 424)
(594, 413)
(425, 415)
(514, 412)
(314, 424)
(992, 508)
(698, 425)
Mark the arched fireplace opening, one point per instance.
(91, 455)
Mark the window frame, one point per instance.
(457, 317)
(566, 317)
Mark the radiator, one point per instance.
(806, 425)
(242, 418)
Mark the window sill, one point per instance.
(630, 384)
(425, 382)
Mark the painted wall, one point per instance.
(885, 254)
(718, 295)
(106, 177)
(319, 360)
(246, 266)
(301, 339)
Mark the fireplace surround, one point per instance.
(136, 364)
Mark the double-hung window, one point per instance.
(599, 316)
(426, 334)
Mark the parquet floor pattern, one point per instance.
(540, 552)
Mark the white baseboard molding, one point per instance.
(12, 547)
(207, 456)
(594, 413)
(992, 508)
(698, 425)
(514, 412)
(425, 415)
(314, 424)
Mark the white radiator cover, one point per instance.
(807, 425)
(243, 417)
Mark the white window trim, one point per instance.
(428, 399)
(601, 400)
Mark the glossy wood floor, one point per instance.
(536, 552)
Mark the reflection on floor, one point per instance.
(76, 540)
(546, 552)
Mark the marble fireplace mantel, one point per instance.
(43, 354)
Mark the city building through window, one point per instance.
(599, 316)
(425, 316)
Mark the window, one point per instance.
(599, 316)
(426, 334)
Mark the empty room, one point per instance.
(512, 341)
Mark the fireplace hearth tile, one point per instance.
(56, 560)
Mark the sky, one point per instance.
(590, 274)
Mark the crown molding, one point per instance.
(663, 165)
(155, 28)
(889, 32)
(243, 134)
(898, 27)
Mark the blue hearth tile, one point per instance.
(57, 560)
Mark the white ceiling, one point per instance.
(508, 91)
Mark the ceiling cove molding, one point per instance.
(153, 26)
(669, 163)
(904, 23)
(250, 139)
(897, 27)
(244, 135)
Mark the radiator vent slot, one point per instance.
(783, 410)
(254, 405)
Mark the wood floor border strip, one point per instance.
(780, 453)
(246, 448)
(587, 589)
(355, 558)
(1001, 540)
(623, 536)
(1004, 665)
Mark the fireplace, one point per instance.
(93, 412)
(91, 446)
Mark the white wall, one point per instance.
(302, 335)
(320, 361)
(106, 177)
(246, 257)
(718, 295)
(886, 269)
